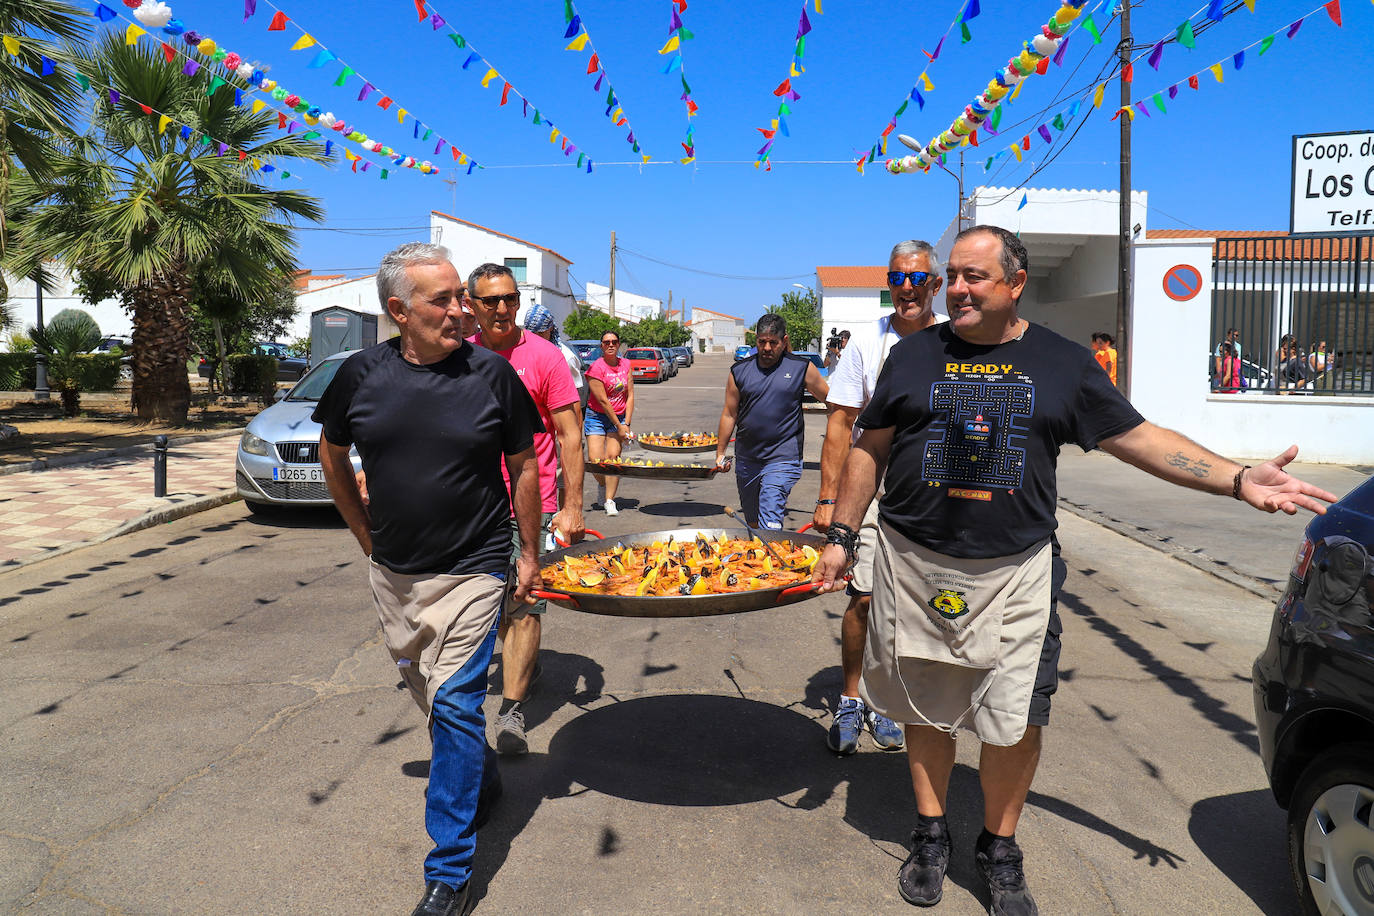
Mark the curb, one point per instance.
(1196, 559)
(62, 461)
(146, 520)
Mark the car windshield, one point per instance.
(315, 381)
(640, 354)
(814, 357)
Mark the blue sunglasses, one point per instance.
(897, 278)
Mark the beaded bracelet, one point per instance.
(844, 537)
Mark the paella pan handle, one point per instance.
(589, 532)
(553, 596)
(794, 590)
(805, 528)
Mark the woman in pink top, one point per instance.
(610, 404)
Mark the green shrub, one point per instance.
(17, 371)
(98, 371)
(251, 373)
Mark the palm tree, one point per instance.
(146, 214)
(33, 105)
(70, 333)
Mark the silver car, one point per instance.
(278, 460)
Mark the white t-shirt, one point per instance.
(853, 380)
(574, 365)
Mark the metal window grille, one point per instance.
(1303, 310)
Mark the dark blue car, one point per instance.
(1314, 705)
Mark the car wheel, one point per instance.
(1331, 832)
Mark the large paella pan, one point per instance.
(679, 443)
(758, 584)
(650, 469)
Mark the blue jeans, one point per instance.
(460, 763)
(764, 488)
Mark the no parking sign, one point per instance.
(1182, 282)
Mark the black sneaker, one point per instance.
(921, 880)
(999, 864)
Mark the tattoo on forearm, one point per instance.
(1195, 466)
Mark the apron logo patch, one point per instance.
(949, 604)
(984, 495)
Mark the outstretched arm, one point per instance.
(729, 415)
(1174, 457)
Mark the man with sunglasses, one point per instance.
(495, 300)
(913, 281)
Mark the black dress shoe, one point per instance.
(442, 900)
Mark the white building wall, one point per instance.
(546, 276)
(1169, 384)
(629, 306)
(856, 310)
(23, 303)
(360, 295)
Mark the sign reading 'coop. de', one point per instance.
(1333, 184)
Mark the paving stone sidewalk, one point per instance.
(46, 511)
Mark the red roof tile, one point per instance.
(852, 277)
(1264, 244)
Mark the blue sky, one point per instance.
(1220, 157)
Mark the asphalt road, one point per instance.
(202, 718)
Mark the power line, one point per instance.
(708, 273)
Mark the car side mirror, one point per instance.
(279, 394)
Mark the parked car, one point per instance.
(1314, 705)
(278, 459)
(818, 361)
(682, 356)
(111, 343)
(647, 364)
(669, 360)
(744, 351)
(587, 350)
(289, 368)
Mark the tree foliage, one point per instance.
(655, 332)
(69, 334)
(587, 323)
(801, 311)
(156, 216)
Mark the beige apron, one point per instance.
(432, 624)
(953, 642)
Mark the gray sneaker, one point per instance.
(510, 733)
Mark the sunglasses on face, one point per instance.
(897, 277)
(610, 343)
(512, 300)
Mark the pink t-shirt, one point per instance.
(545, 372)
(617, 382)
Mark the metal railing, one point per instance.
(1302, 311)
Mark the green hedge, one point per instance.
(99, 371)
(250, 373)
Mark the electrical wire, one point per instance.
(706, 273)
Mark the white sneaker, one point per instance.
(610, 507)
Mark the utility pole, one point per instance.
(1123, 254)
(959, 178)
(41, 391)
(611, 297)
(669, 310)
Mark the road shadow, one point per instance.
(312, 517)
(1245, 836)
(693, 510)
(564, 679)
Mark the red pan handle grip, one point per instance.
(553, 596)
(798, 589)
(589, 532)
(805, 528)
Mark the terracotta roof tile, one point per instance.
(1264, 244)
(852, 277)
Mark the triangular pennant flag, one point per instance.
(1192, 81)
(901, 108)
(1044, 133)
(401, 115)
(669, 46)
(1264, 45)
(782, 127)
(169, 53)
(47, 64)
(258, 105)
(1025, 142)
(596, 87)
(1159, 102)
(1217, 10)
(1293, 29)
(593, 64)
(1216, 71)
(281, 121)
(685, 34)
(162, 123)
(1092, 29)
(1250, 5)
(970, 11)
(420, 10)
(536, 117)
(574, 24)
(1097, 96)
(919, 99)
(995, 121)
(965, 36)
(925, 81)
(238, 97)
(1058, 122)
(436, 21)
(578, 43)
(344, 74)
(940, 45)
(278, 23)
(1156, 53)
(582, 157)
(103, 12)
(384, 102)
(490, 75)
(1059, 55)
(505, 93)
(568, 11)
(783, 88)
(804, 24)
(674, 64)
(132, 34)
(323, 57)
(1143, 110)
(472, 56)
(367, 90)
(784, 108)
(1017, 150)
(185, 132)
(1173, 91)
(303, 42)
(1185, 35)
(674, 22)
(1043, 66)
(1127, 109)
(458, 40)
(973, 138)
(1333, 9)
(1127, 74)
(1025, 199)
(1239, 59)
(215, 83)
(800, 49)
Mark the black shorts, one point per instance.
(1047, 675)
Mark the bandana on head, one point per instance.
(539, 320)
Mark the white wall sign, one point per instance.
(1333, 184)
